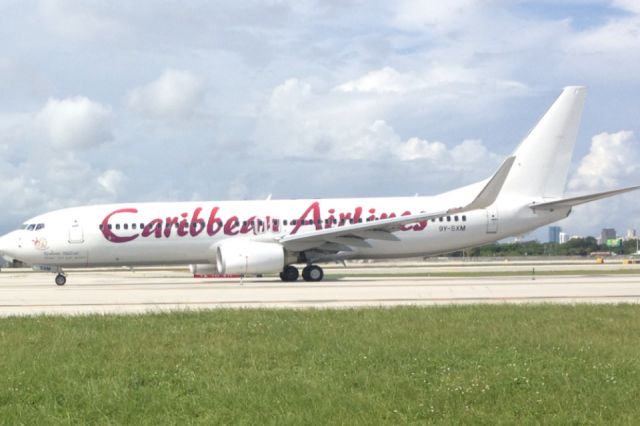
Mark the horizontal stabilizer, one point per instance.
(574, 201)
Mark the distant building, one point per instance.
(563, 237)
(554, 234)
(631, 234)
(607, 234)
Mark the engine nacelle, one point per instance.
(249, 257)
(203, 269)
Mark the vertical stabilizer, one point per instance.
(543, 158)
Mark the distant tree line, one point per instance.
(574, 247)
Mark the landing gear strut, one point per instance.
(61, 279)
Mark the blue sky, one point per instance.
(120, 101)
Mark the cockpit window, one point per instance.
(31, 227)
(39, 226)
(24, 226)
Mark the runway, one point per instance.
(86, 292)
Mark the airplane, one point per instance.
(272, 236)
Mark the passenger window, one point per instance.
(464, 218)
(448, 218)
(455, 218)
(284, 222)
(110, 226)
(100, 227)
(141, 225)
(133, 226)
(441, 219)
(293, 221)
(126, 226)
(117, 226)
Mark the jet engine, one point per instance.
(249, 257)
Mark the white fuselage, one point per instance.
(136, 234)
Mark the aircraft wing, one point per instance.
(574, 201)
(342, 237)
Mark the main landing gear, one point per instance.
(309, 273)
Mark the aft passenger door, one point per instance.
(492, 220)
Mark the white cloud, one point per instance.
(454, 79)
(111, 180)
(175, 94)
(384, 80)
(613, 161)
(629, 5)
(301, 123)
(416, 148)
(79, 20)
(417, 14)
(76, 122)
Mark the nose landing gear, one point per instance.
(61, 279)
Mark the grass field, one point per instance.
(509, 364)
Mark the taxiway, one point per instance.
(86, 292)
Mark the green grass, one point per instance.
(500, 364)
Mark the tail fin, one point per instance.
(543, 158)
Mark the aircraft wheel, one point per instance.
(289, 273)
(61, 279)
(312, 273)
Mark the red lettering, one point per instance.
(106, 231)
(348, 218)
(406, 227)
(372, 217)
(214, 225)
(197, 224)
(154, 227)
(168, 225)
(329, 221)
(313, 208)
(248, 226)
(230, 225)
(183, 227)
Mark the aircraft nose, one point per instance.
(5, 245)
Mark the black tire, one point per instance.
(60, 280)
(289, 273)
(312, 273)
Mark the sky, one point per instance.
(113, 101)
